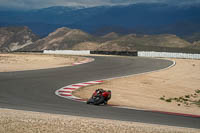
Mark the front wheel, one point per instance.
(89, 101)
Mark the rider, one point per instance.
(106, 94)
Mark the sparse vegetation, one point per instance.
(197, 103)
(186, 100)
(197, 91)
(169, 100)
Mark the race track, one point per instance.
(35, 90)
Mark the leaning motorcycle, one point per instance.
(100, 96)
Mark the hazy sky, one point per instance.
(31, 4)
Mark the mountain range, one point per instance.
(14, 38)
(151, 18)
(75, 39)
(22, 39)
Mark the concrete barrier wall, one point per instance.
(139, 53)
(70, 52)
(168, 55)
(123, 53)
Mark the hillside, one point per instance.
(110, 36)
(22, 39)
(193, 37)
(66, 38)
(137, 42)
(86, 46)
(14, 38)
(62, 38)
(196, 45)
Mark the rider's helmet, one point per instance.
(98, 91)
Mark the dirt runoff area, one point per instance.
(20, 62)
(14, 121)
(174, 90)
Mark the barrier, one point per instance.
(168, 55)
(124, 53)
(70, 52)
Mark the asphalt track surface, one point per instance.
(35, 90)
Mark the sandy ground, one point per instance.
(19, 62)
(144, 91)
(14, 121)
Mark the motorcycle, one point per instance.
(100, 96)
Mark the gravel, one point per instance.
(15, 121)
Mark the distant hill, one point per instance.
(110, 36)
(193, 37)
(196, 45)
(22, 39)
(66, 38)
(86, 46)
(14, 38)
(139, 42)
(62, 38)
(142, 19)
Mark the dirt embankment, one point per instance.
(13, 121)
(145, 91)
(20, 62)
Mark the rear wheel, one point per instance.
(99, 100)
(89, 101)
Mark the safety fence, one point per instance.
(168, 55)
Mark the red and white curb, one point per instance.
(83, 62)
(66, 92)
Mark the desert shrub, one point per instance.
(197, 91)
(168, 100)
(187, 96)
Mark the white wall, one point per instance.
(168, 55)
(140, 53)
(70, 52)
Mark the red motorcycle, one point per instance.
(100, 96)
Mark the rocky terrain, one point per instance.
(14, 38)
(134, 42)
(62, 38)
(196, 44)
(65, 38)
(22, 39)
